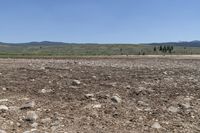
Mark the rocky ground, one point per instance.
(100, 95)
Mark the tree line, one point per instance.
(164, 49)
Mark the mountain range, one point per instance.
(195, 43)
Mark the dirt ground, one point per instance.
(100, 95)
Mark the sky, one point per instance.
(99, 21)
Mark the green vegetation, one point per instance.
(92, 50)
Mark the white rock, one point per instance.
(42, 68)
(140, 90)
(3, 108)
(116, 99)
(2, 131)
(165, 73)
(34, 125)
(186, 105)
(142, 103)
(156, 125)
(89, 95)
(4, 89)
(46, 91)
(29, 104)
(3, 100)
(128, 87)
(76, 82)
(173, 109)
(31, 116)
(94, 77)
(46, 120)
(97, 106)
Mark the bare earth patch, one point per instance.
(88, 95)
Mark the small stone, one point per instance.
(140, 90)
(4, 89)
(93, 99)
(3, 100)
(46, 91)
(165, 73)
(42, 68)
(156, 125)
(97, 106)
(32, 131)
(128, 87)
(142, 103)
(76, 82)
(33, 80)
(27, 132)
(2, 131)
(186, 105)
(3, 108)
(27, 105)
(173, 109)
(109, 77)
(46, 120)
(43, 91)
(116, 99)
(34, 125)
(89, 95)
(94, 77)
(31, 116)
(18, 124)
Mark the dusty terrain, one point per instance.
(100, 95)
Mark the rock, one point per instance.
(140, 90)
(2, 131)
(74, 87)
(27, 132)
(156, 125)
(165, 73)
(93, 99)
(46, 120)
(185, 105)
(114, 84)
(46, 91)
(34, 125)
(18, 124)
(173, 109)
(42, 68)
(14, 109)
(76, 82)
(142, 103)
(32, 131)
(97, 106)
(3, 108)
(94, 77)
(128, 87)
(109, 77)
(89, 95)
(116, 99)
(3, 100)
(31, 116)
(4, 89)
(27, 105)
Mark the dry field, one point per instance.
(100, 95)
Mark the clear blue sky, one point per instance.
(102, 21)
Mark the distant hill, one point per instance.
(185, 44)
(49, 43)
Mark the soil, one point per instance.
(100, 95)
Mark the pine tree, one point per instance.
(164, 49)
(161, 49)
(154, 49)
